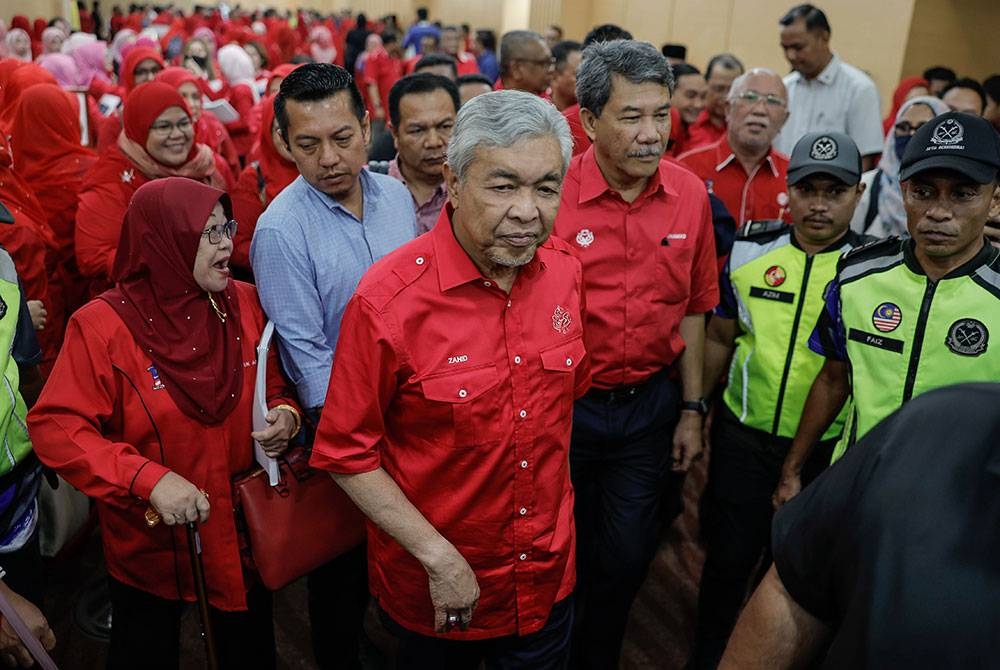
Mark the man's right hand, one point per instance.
(788, 487)
(454, 590)
(12, 650)
(39, 315)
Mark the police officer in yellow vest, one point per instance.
(771, 295)
(903, 317)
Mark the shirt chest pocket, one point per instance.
(560, 363)
(471, 396)
(672, 272)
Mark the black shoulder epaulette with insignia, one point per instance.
(762, 230)
(889, 246)
(378, 167)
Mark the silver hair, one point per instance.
(739, 83)
(501, 119)
(637, 62)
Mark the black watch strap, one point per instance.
(698, 405)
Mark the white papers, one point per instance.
(269, 464)
(222, 110)
(108, 103)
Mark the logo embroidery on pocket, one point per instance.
(561, 320)
(585, 237)
(157, 384)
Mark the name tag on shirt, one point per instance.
(771, 294)
(878, 341)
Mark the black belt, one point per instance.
(621, 393)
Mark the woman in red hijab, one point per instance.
(910, 87)
(208, 129)
(19, 81)
(269, 170)
(54, 162)
(149, 412)
(139, 66)
(157, 141)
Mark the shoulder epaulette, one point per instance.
(379, 167)
(762, 231)
(880, 247)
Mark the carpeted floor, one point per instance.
(659, 634)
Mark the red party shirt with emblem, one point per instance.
(463, 394)
(703, 132)
(761, 194)
(647, 265)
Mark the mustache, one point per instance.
(646, 150)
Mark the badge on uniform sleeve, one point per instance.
(157, 384)
(561, 320)
(775, 276)
(968, 337)
(585, 237)
(886, 317)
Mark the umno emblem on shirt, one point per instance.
(561, 320)
(585, 237)
(127, 176)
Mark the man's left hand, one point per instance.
(274, 438)
(687, 441)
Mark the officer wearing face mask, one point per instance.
(880, 212)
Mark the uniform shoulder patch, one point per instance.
(762, 231)
(879, 248)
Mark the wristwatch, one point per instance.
(698, 405)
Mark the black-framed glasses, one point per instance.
(907, 128)
(216, 232)
(753, 97)
(165, 127)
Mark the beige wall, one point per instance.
(961, 34)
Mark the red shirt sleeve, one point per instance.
(361, 388)
(66, 423)
(98, 227)
(247, 208)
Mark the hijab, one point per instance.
(121, 39)
(89, 60)
(278, 171)
(9, 40)
(20, 80)
(142, 107)
(63, 68)
(131, 62)
(899, 97)
(237, 67)
(50, 34)
(198, 357)
(53, 162)
(321, 46)
(890, 197)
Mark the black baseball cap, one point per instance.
(830, 153)
(955, 141)
(5, 215)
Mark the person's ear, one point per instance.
(451, 181)
(589, 122)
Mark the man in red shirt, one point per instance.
(643, 229)
(451, 44)
(383, 68)
(687, 103)
(526, 64)
(710, 127)
(459, 358)
(742, 168)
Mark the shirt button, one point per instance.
(569, 362)
(487, 284)
(523, 511)
(462, 393)
(420, 260)
(523, 557)
(524, 464)
(517, 360)
(522, 414)
(508, 303)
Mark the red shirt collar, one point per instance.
(593, 184)
(725, 156)
(454, 267)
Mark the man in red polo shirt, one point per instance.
(742, 168)
(643, 229)
(383, 68)
(459, 358)
(710, 127)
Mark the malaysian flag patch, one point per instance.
(886, 317)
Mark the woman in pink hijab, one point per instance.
(63, 68)
(52, 40)
(321, 46)
(18, 44)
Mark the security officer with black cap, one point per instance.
(771, 294)
(906, 316)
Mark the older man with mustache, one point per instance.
(642, 227)
(742, 168)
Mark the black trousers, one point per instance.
(743, 472)
(145, 631)
(620, 458)
(545, 649)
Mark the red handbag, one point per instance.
(296, 526)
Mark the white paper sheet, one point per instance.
(269, 464)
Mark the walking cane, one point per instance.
(198, 570)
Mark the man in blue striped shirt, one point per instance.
(309, 251)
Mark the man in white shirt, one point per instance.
(824, 92)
